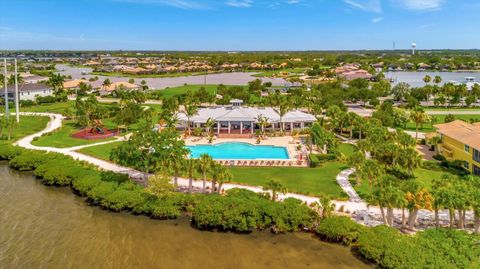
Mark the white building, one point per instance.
(27, 91)
(237, 120)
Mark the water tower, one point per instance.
(414, 46)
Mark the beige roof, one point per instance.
(461, 131)
(73, 83)
(115, 85)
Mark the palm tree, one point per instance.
(209, 125)
(106, 83)
(56, 82)
(427, 79)
(225, 177)
(191, 166)
(437, 80)
(327, 206)
(204, 165)
(419, 117)
(409, 159)
(276, 187)
(190, 110)
(263, 122)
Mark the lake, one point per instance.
(49, 227)
(415, 79)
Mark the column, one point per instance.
(241, 127)
(218, 127)
(291, 127)
(253, 126)
(229, 126)
(302, 125)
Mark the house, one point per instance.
(27, 91)
(74, 84)
(460, 141)
(237, 120)
(116, 85)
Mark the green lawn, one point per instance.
(310, 181)
(28, 125)
(427, 127)
(270, 73)
(50, 108)
(170, 92)
(424, 176)
(62, 138)
(102, 151)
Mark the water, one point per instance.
(233, 78)
(239, 151)
(47, 227)
(415, 79)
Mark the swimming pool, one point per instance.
(239, 151)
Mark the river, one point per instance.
(49, 227)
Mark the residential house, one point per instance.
(27, 91)
(460, 141)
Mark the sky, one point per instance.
(232, 25)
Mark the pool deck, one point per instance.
(289, 142)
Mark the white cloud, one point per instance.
(420, 4)
(183, 4)
(377, 20)
(366, 5)
(239, 3)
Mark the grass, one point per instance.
(28, 125)
(62, 138)
(170, 92)
(309, 181)
(428, 127)
(347, 149)
(101, 151)
(424, 176)
(271, 73)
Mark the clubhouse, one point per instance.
(239, 121)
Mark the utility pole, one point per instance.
(17, 107)
(7, 112)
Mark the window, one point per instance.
(476, 170)
(467, 148)
(476, 155)
(466, 165)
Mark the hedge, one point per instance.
(339, 229)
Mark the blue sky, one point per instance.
(239, 24)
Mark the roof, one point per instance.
(26, 87)
(73, 83)
(226, 113)
(466, 133)
(115, 85)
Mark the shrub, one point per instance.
(339, 229)
(86, 183)
(101, 191)
(165, 208)
(8, 152)
(123, 198)
(314, 161)
(29, 160)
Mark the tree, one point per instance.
(106, 83)
(437, 79)
(144, 85)
(56, 82)
(281, 102)
(159, 184)
(205, 163)
(427, 79)
(263, 122)
(323, 139)
(409, 159)
(326, 205)
(401, 91)
(275, 187)
(357, 160)
(191, 110)
(419, 117)
(191, 167)
(209, 126)
(150, 151)
(131, 81)
(417, 198)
